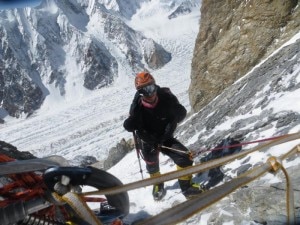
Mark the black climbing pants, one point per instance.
(151, 151)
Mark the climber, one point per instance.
(153, 116)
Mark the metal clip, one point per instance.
(276, 165)
(298, 147)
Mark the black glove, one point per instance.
(148, 138)
(129, 124)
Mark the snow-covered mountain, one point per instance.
(263, 104)
(80, 23)
(62, 48)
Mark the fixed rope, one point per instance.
(190, 207)
(195, 153)
(193, 169)
(227, 187)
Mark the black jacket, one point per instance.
(157, 124)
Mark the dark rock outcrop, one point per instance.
(117, 153)
(12, 151)
(83, 160)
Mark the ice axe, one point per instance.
(189, 153)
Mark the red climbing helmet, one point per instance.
(143, 79)
(145, 84)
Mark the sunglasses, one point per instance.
(147, 90)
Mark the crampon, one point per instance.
(46, 191)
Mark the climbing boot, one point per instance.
(158, 191)
(193, 190)
(190, 189)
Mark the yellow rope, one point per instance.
(191, 169)
(81, 208)
(190, 207)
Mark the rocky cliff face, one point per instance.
(234, 36)
(249, 102)
(245, 111)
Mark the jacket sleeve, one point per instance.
(130, 124)
(134, 107)
(181, 112)
(177, 113)
(178, 110)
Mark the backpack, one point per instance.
(222, 149)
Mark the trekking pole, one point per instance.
(137, 147)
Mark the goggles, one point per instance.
(148, 90)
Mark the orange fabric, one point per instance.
(117, 222)
(23, 186)
(29, 185)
